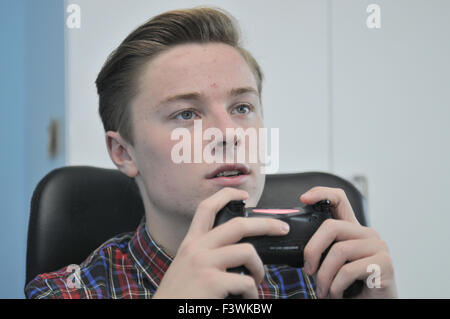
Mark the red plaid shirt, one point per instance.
(132, 265)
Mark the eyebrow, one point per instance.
(243, 90)
(196, 96)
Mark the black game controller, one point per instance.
(284, 250)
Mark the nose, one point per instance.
(230, 141)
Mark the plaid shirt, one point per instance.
(132, 265)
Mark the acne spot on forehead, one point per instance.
(214, 84)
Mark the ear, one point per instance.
(121, 153)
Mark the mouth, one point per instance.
(230, 175)
(229, 171)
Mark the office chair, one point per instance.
(77, 208)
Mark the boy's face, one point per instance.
(211, 75)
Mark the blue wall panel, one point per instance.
(32, 91)
(12, 128)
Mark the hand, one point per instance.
(199, 268)
(358, 245)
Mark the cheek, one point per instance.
(157, 171)
(154, 156)
(169, 187)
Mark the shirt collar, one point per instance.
(148, 255)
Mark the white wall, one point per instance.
(391, 115)
(347, 99)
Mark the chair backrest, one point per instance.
(77, 208)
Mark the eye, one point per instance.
(185, 115)
(243, 109)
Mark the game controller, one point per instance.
(284, 250)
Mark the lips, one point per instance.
(229, 171)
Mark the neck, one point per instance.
(167, 230)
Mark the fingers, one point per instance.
(203, 219)
(358, 245)
(237, 284)
(357, 270)
(213, 251)
(239, 227)
(239, 255)
(339, 201)
(332, 230)
(342, 252)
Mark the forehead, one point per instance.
(211, 69)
